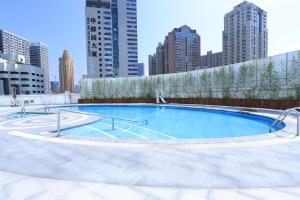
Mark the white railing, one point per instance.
(23, 111)
(113, 119)
(128, 120)
(284, 115)
(47, 108)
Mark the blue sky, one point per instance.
(60, 24)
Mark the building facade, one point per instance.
(152, 64)
(39, 58)
(180, 52)
(245, 35)
(14, 44)
(54, 85)
(182, 49)
(211, 60)
(141, 69)
(160, 59)
(111, 34)
(27, 79)
(66, 73)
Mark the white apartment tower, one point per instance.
(39, 58)
(14, 44)
(245, 35)
(111, 32)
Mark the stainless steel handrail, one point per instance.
(23, 111)
(91, 114)
(70, 111)
(284, 115)
(128, 120)
(47, 108)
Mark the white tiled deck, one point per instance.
(41, 168)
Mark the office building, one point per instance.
(152, 64)
(141, 69)
(179, 53)
(245, 35)
(211, 60)
(14, 44)
(160, 59)
(27, 79)
(84, 76)
(111, 35)
(54, 87)
(182, 50)
(66, 73)
(157, 65)
(39, 58)
(76, 89)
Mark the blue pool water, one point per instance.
(21, 115)
(168, 123)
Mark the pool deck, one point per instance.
(43, 167)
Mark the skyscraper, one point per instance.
(66, 73)
(13, 44)
(39, 58)
(160, 59)
(152, 64)
(54, 87)
(157, 61)
(182, 50)
(245, 35)
(111, 32)
(179, 53)
(141, 69)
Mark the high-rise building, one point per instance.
(152, 64)
(211, 60)
(54, 87)
(157, 61)
(39, 58)
(179, 53)
(66, 73)
(245, 35)
(141, 69)
(76, 89)
(182, 49)
(111, 32)
(13, 44)
(160, 59)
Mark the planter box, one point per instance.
(254, 103)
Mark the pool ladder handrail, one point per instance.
(93, 114)
(23, 111)
(160, 97)
(47, 108)
(284, 115)
(128, 120)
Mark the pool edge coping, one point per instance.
(258, 140)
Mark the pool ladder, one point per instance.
(284, 115)
(160, 97)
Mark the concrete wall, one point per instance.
(41, 99)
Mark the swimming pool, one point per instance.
(168, 123)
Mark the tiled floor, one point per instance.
(35, 169)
